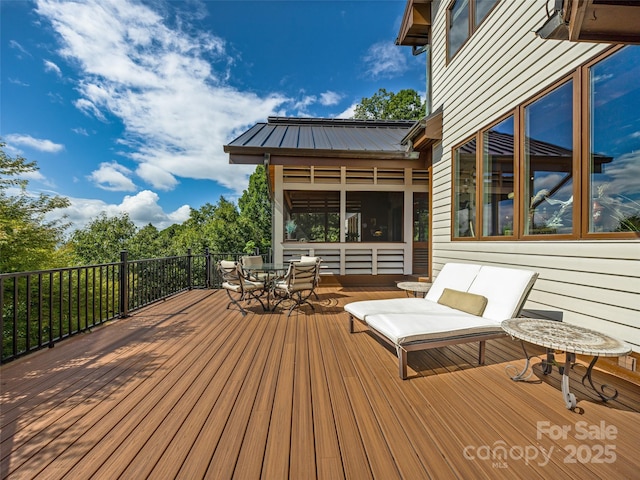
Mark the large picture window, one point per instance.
(464, 181)
(498, 147)
(614, 155)
(565, 164)
(548, 163)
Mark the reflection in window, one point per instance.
(549, 163)
(614, 168)
(312, 216)
(464, 184)
(483, 7)
(498, 188)
(374, 216)
(458, 25)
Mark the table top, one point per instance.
(267, 267)
(565, 337)
(415, 286)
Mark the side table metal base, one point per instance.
(569, 364)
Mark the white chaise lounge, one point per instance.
(466, 303)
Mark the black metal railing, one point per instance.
(40, 308)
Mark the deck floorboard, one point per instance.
(185, 388)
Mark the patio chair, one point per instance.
(238, 286)
(254, 262)
(318, 260)
(297, 285)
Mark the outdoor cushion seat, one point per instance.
(297, 285)
(235, 281)
(421, 323)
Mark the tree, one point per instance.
(28, 241)
(255, 212)
(383, 105)
(102, 240)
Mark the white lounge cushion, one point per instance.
(364, 308)
(457, 276)
(442, 323)
(505, 289)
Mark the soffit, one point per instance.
(416, 23)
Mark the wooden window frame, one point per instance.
(580, 166)
(472, 25)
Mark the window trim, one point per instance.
(580, 165)
(472, 27)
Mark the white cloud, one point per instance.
(17, 81)
(113, 177)
(384, 60)
(80, 131)
(19, 47)
(166, 86)
(349, 112)
(329, 98)
(49, 66)
(35, 143)
(143, 208)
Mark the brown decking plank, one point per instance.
(352, 451)
(155, 428)
(276, 455)
(252, 451)
(235, 366)
(223, 462)
(329, 462)
(302, 459)
(58, 436)
(124, 414)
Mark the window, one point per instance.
(498, 147)
(565, 164)
(614, 143)
(374, 217)
(312, 216)
(464, 181)
(464, 17)
(548, 163)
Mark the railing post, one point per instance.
(207, 268)
(189, 263)
(124, 285)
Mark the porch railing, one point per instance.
(40, 308)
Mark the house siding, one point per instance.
(595, 284)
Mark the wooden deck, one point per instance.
(187, 389)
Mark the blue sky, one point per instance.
(126, 105)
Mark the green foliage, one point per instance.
(28, 240)
(101, 240)
(255, 212)
(383, 105)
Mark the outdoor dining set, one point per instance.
(270, 284)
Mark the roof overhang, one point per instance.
(606, 21)
(282, 156)
(425, 132)
(416, 23)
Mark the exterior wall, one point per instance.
(350, 258)
(595, 284)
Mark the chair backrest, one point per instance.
(318, 260)
(302, 275)
(229, 271)
(506, 290)
(458, 276)
(251, 260)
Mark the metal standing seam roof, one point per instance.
(334, 135)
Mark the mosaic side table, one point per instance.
(571, 339)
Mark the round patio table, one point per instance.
(273, 271)
(415, 287)
(571, 339)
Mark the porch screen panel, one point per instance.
(614, 159)
(312, 216)
(498, 174)
(548, 163)
(464, 190)
(374, 217)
